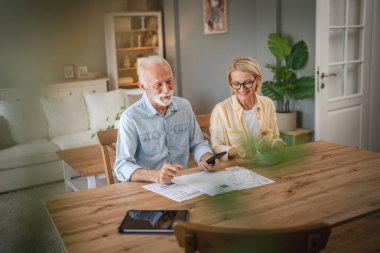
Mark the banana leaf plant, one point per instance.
(286, 86)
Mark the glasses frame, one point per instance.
(245, 83)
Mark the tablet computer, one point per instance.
(151, 221)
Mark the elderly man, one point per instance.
(157, 132)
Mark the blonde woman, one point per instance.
(245, 115)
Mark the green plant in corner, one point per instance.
(286, 85)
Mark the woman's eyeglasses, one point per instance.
(247, 84)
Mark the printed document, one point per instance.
(212, 183)
(231, 179)
(176, 192)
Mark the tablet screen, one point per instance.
(151, 221)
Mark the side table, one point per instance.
(85, 161)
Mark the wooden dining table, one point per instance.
(326, 182)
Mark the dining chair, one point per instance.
(311, 238)
(204, 123)
(107, 140)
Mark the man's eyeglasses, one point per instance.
(247, 84)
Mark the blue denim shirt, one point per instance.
(148, 140)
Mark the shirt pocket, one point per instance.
(235, 136)
(151, 145)
(181, 135)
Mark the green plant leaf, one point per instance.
(269, 90)
(298, 56)
(304, 88)
(270, 67)
(279, 46)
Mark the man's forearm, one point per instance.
(144, 175)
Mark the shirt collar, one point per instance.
(237, 106)
(151, 111)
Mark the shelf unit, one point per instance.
(130, 36)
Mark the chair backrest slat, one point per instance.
(107, 140)
(311, 238)
(204, 124)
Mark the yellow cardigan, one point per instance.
(228, 128)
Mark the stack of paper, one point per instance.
(190, 186)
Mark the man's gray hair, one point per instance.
(155, 59)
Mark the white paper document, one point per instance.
(176, 192)
(212, 183)
(233, 178)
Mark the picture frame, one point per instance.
(82, 71)
(215, 16)
(68, 71)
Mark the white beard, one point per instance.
(162, 102)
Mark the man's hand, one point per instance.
(167, 172)
(208, 167)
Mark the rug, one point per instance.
(24, 223)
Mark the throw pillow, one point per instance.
(104, 108)
(132, 96)
(65, 114)
(6, 139)
(26, 120)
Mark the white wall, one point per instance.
(39, 37)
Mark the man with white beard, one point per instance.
(157, 132)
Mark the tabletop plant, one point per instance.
(286, 86)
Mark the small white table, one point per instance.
(85, 161)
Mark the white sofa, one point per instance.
(33, 128)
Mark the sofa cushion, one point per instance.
(26, 120)
(74, 140)
(29, 153)
(103, 108)
(131, 96)
(65, 114)
(6, 139)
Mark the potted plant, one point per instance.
(286, 86)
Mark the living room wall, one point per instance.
(203, 60)
(39, 37)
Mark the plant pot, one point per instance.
(286, 121)
(268, 159)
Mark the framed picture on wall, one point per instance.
(68, 71)
(215, 16)
(82, 72)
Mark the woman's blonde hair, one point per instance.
(246, 64)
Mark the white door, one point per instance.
(343, 43)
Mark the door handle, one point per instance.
(323, 75)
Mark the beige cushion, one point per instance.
(6, 139)
(103, 108)
(77, 139)
(132, 96)
(27, 154)
(26, 120)
(65, 114)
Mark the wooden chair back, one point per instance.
(210, 239)
(204, 123)
(107, 140)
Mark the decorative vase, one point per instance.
(268, 159)
(286, 121)
(127, 62)
(154, 40)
